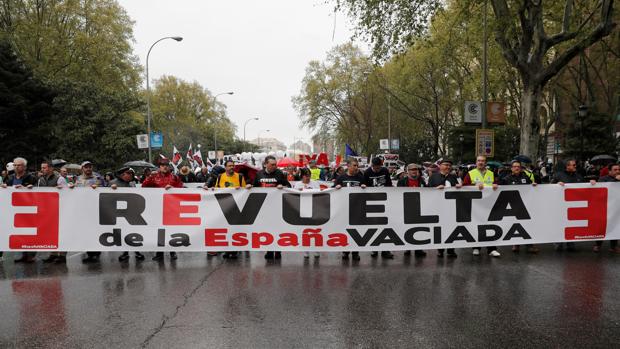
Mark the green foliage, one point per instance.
(338, 98)
(390, 25)
(96, 125)
(25, 110)
(80, 40)
(591, 135)
(187, 113)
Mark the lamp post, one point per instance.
(461, 140)
(259, 132)
(148, 92)
(583, 113)
(214, 125)
(246, 124)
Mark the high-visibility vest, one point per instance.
(315, 174)
(529, 175)
(477, 177)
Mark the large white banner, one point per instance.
(349, 219)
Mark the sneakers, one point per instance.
(494, 253)
(306, 254)
(374, 254)
(139, 256)
(615, 250)
(159, 256)
(420, 253)
(476, 252)
(124, 257)
(452, 253)
(269, 255)
(516, 249)
(596, 249)
(60, 260)
(439, 253)
(173, 256)
(356, 256)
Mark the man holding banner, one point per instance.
(482, 178)
(440, 180)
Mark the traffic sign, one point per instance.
(473, 112)
(485, 142)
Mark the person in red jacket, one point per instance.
(163, 178)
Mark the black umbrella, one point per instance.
(602, 159)
(139, 163)
(523, 159)
(58, 162)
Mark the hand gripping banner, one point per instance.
(349, 219)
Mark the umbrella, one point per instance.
(602, 159)
(286, 162)
(58, 162)
(139, 163)
(523, 159)
(494, 164)
(73, 166)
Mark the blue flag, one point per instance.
(348, 151)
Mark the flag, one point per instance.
(176, 157)
(163, 156)
(197, 159)
(189, 155)
(348, 151)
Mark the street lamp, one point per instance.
(583, 113)
(461, 140)
(214, 125)
(259, 137)
(244, 125)
(148, 92)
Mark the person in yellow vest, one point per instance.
(482, 177)
(315, 172)
(229, 179)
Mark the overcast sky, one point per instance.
(258, 49)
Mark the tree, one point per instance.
(96, 124)
(520, 31)
(187, 113)
(26, 112)
(338, 95)
(86, 40)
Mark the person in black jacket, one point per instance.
(613, 176)
(271, 177)
(350, 178)
(22, 178)
(569, 175)
(440, 180)
(378, 176)
(413, 179)
(124, 179)
(518, 177)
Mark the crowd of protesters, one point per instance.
(440, 175)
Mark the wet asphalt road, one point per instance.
(547, 300)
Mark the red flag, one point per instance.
(176, 157)
(189, 155)
(198, 158)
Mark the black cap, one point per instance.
(124, 169)
(446, 161)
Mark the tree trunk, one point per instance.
(530, 122)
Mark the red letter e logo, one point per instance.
(595, 213)
(45, 221)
